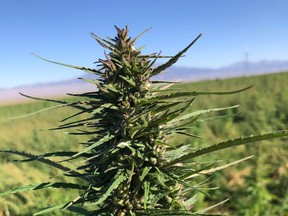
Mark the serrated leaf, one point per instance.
(228, 144)
(92, 81)
(118, 180)
(45, 161)
(63, 104)
(167, 212)
(215, 169)
(106, 106)
(99, 142)
(199, 112)
(105, 43)
(147, 70)
(50, 154)
(130, 81)
(176, 152)
(74, 115)
(52, 208)
(174, 59)
(169, 105)
(43, 186)
(196, 93)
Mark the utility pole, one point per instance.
(246, 59)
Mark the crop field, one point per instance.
(258, 186)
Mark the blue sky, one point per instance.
(59, 30)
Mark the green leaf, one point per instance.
(168, 115)
(89, 70)
(160, 82)
(167, 212)
(196, 93)
(138, 36)
(118, 180)
(176, 152)
(78, 210)
(102, 107)
(92, 81)
(111, 88)
(43, 186)
(189, 203)
(147, 69)
(45, 99)
(228, 144)
(169, 105)
(144, 173)
(184, 124)
(189, 134)
(146, 187)
(174, 59)
(74, 115)
(63, 104)
(45, 161)
(211, 207)
(50, 154)
(130, 81)
(99, 142)
(52, 208)
(105, 43)
(200, 112)
(161, 178)
(215, 169)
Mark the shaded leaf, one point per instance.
(118, 180)
(51, 208)
(99, 142)
(79, 210)
(42, 186)
(45, 161)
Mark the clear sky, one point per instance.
(59, 30)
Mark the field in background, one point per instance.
(255, 187)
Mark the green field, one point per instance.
(258, 186)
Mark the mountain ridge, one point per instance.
(184, 74)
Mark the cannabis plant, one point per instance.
(129, 166)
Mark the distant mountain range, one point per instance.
(234, 70)
(184, 74)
